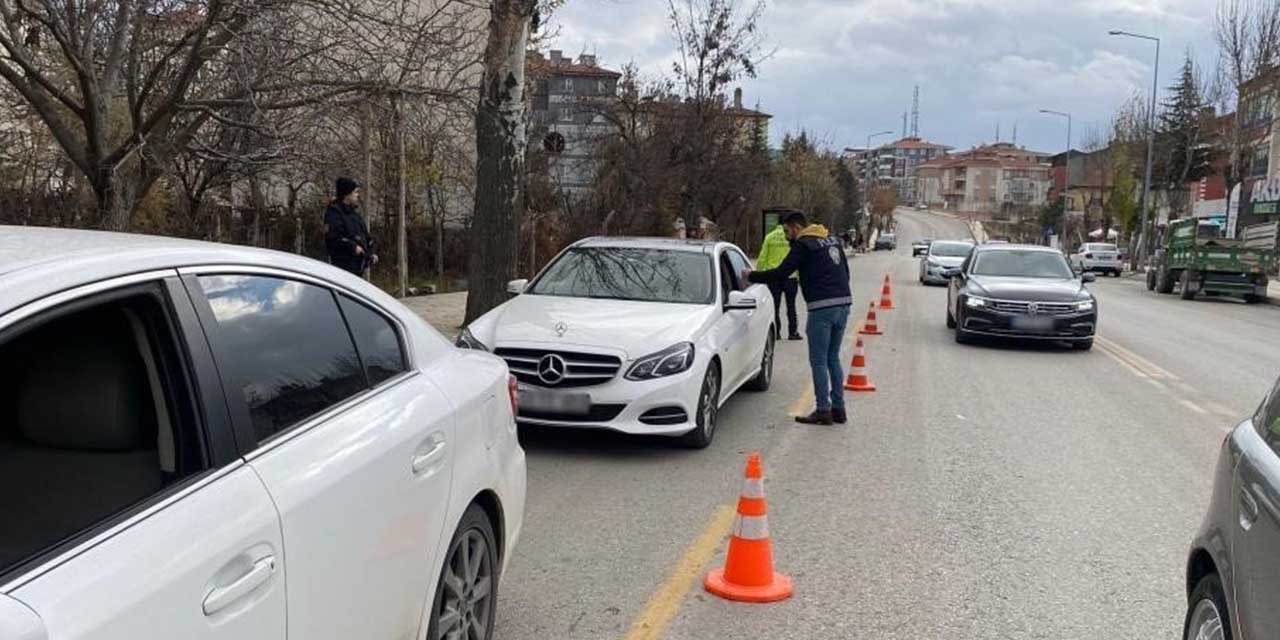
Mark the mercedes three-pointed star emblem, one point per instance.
(561, 329)
(552, 368)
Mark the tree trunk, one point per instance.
(402, 209)
(113, 215)
(500, 145)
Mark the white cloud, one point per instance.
(843, 68)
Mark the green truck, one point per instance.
(1195, 255)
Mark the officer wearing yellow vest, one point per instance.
(774, 250)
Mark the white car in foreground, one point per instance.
(209, 442)
(642, 336)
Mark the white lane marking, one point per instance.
(1194, 407)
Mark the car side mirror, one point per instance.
(740, 301)
(517, 287)
(1089, 277)
(951, 273)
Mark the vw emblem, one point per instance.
(551, 369)
(561, 329)
(1033, 308)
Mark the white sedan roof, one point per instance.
(662, 244)
(38, 261)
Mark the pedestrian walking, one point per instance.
(774, 250)
(346, 236)
(824, 280)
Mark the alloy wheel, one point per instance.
(468, 590)
(1206, 622)
(710, 390)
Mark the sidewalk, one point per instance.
(445, 311)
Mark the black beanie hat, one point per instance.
(345, 186)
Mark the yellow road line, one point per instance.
(1124, 363)
(1146, 366)
(662, 607)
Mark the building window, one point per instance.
(568, 85)
(602, 87)
(566, 115)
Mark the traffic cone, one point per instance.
(869, 328)
(886, 296)
(748, 574)
(857, 380)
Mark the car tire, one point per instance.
(1082, 345)
(1207, 610)
(708, 411)
(764, 379)
(1164, 282)
(1151, 280)
(962, 336)
(448, 612)
(951, 319)
(1251, 298)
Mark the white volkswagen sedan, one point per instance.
(642, 336)
(209, 442)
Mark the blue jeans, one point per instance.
(826, 334)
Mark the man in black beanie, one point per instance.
(346, 236)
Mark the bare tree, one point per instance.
(501, 139)
(1248, 36)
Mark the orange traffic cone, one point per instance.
(748, 574)
(857, 380)
(886, 296)
(870, 328)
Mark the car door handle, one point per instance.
(222, 597)
(429, 454)
(1248, 508)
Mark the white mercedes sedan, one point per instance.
(642, 336)
(211, 442)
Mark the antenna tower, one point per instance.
(915, 113)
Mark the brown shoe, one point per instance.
(839, 416)
(817, 417)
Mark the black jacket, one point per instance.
(344, 230)
(823, 267)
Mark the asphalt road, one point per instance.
(988, 491)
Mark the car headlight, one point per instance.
(668, 362)
(466, 340)
(933, 263)
(974, 302)
(1084, 305)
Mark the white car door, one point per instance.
(131, 516)
(746, 330)
(353, 444)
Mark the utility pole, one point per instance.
(1066, 177)
(1151, 140)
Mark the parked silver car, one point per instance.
(1233, 571)
(940, 256)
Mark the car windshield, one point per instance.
(888, 236)
(950, 249)
(1100, 247)
(622, 273)
(1022, 263)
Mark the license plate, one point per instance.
(543, 401)
(1032, 323)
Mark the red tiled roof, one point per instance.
(538, 64)
(914, 143)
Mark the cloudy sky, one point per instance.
(845, 68)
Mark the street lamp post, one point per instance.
(1066, 178)
(1151, 138)
(866, 196)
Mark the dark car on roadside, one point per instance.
(1233, 569)
(886, 241)
(1020, 291)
